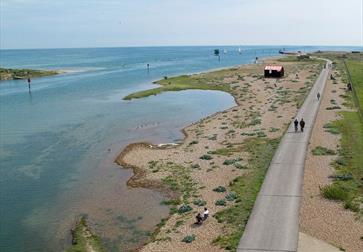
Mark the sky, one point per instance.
(114, 23)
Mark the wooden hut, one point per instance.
(274, 71)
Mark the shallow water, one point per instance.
(58, 143)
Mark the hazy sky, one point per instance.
(103, 23)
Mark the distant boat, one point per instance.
(240, 50)
(224, 51)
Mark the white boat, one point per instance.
(239, 50)
(224, 51)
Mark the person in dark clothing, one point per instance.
(199, 219)
(296, 124)
(302, 125)
(318, 96)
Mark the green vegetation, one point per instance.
(331, 128)
(199, 202)
(184, 209)
(231, 196)
(206, 157)
(83, 239)
(322, 151)
(356, 72)
(184, 82)
(220, 202)
(189, 238)
(246, 189)
(219, 189)
(292, 58)
(347, 185)
(179, 181)
(13, 74)
(231, 161)
(334, 192)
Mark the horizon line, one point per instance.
(187, 45)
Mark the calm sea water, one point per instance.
(58, 143)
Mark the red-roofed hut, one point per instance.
(274, 71)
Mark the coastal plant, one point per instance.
(261, 134)
(231, 161)
(206, 157)
(272, 129)
(189, 238)
(179, 223)
(342, 177)
(179, 180)
(322, 151)
(334, 192)
(219, 189)
(239, 166)
(199, 202)
(231, 196)
(184, 209)
(220, 202)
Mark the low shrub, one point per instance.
(219, 189)
(184, 209)
(334, 192)
(189, 238)
(220, 202)
(206, 157)
(199, 202)
(231, 196)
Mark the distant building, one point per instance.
(274, 71)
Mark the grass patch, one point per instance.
(184, 82)
(13, 74)
(350, 161)
(179, 181)
(334, 192)
(322, 151)
(331, 128)
(246, 189)
(356, 71)
(81, 236)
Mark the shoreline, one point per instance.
(140, 177)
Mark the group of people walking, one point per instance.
(302, 125)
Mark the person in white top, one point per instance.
(205, 214)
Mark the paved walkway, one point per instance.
(274, 221)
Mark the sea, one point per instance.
(58, 142)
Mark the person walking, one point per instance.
(296, 124)
(205, 214)
(302, 125)
(318, 96)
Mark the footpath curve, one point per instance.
(274, 221)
